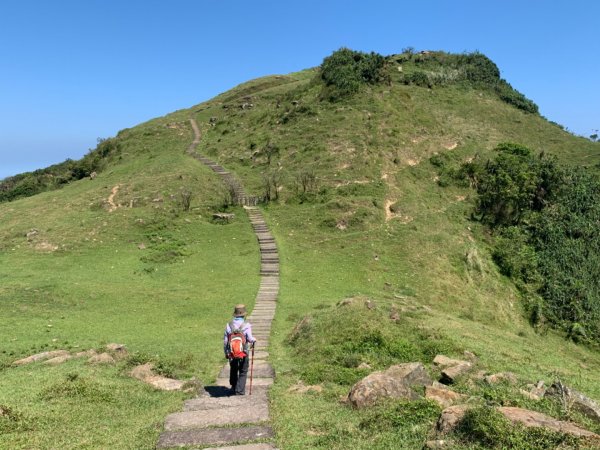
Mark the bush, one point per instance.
(547, 237)
(345, 70)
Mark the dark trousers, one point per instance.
(238, 374)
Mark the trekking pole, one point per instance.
(251, 368)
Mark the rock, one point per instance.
(370, 305)
(529, 394)
(496, 378)
(88, 353)
(443, 397)
(395, 382)
(145, 373)
(142, 246)
(40, 357)
(444, 361)
(31, 234)
(301, 388)
(119, 351)
(58, 360)
(470, 355)
(394, 314)
(450, 374)
(345, 302)
(364, 365)
(574, 400)
(529, 418)
(102, 358)
(451, 417)
(93, 175)
(225, 217)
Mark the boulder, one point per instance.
(529, 418)
(470, 355)
(412, 374)
(58, 360)
(442, 396)
(450, 374)
(102, 358)
(395, 382)
(443, 361)
(496, 378)
(574, 400)
(451, 417)
(40, 357)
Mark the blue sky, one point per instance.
(73, 71)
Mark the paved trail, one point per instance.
(207, 420)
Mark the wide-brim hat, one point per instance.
(240, 310)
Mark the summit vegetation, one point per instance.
(421, 184)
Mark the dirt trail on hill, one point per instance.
(215, 417)
(111, 198)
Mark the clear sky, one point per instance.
(72, 71)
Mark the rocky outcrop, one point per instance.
(41, 357)
(396, 382)
(451, 417)
(452, 373)
(529, 418)
(573, 399)
(146, 374)
(443, 396)
(101, 359)
(496, 378)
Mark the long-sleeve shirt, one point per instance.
(237, 323)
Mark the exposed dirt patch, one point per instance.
(390, 214)
(348, 182)
(450, 145)
(46, 247)
(111, 198)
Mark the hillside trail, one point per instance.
(111, 198)
(216, 419)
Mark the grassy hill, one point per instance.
(360, 213)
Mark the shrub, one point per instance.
(345, 70)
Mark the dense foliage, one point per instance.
(55, 176)
(474, 69)
(345, 71)
(546, 218)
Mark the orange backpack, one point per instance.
(236, 344)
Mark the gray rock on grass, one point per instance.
(396, 382)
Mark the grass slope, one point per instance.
(373, 223)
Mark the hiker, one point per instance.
(237, 341)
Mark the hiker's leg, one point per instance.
(240, 387)
(233, 372)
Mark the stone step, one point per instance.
(257, 381)
(206, 403)
(209, 418)
(214, 436)
(263, 370)
(263, 446)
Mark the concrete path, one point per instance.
(217, 419)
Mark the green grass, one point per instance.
(169, 301)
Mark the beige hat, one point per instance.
(240, 310)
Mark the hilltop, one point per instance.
(360, 210)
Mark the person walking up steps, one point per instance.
(236, 343)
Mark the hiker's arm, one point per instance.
(226, 340)
(249, 337)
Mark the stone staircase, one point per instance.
(216, 419)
